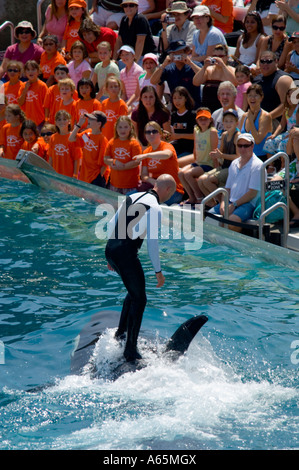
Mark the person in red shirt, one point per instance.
(50, 59)
(91, 35)
(222, 14)
(87, 102)
(93, 143)
(159, 158)
(64, 155)
(10, 138)
(119, 154)
(113, 106)
(33, 94)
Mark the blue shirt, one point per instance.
(184, 77)
(214, 37)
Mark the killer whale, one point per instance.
(87, 339)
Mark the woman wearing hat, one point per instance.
(206, 35)
(25, 49)
(181, 28)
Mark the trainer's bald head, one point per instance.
(165, 186)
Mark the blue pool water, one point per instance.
(236, 388)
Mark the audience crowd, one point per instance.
(130, 89)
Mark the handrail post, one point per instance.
(39, 15)
(217, 191)
(12, 28)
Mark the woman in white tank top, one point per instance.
(247, 50)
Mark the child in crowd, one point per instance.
(53, 97)
(76, 14)
(67, 102)
(79, 66)
(10, 138)
(33, 94)
(50, 59)
(32, 141)
(124, 176)
(113, 106)
(277, 142)
(292, 60)
(222, 156)
(205, 140)
(87, 102)
(130, 74)
(64, 155)
(14, 86)
(242, 74)
(93, 143)
(150, 63)
(105, 68)
(183, 120)
(46, 132)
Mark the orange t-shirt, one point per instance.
(53, 101)
(40, 142)
(124, 151)
(88, 106)
(48, 65)
(11, 140)
(12, 92)
(63, 154)
(70, 108)
(93, 149)
(34, 103)
(170, 166)
(113, 111)
(71, 34)
(225, 8)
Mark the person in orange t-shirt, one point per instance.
(53, 98)
(64, 156)
(222, 14)
(10, 138)
(34, 92)
(46, 132)
(67, 102)
(124, 176)
(158, 159)
(77, 13)
(50, 59)
(113, 106)
(87, 102)
(13, 88)
(93, 143)
(32, 141)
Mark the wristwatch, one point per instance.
(235, 204)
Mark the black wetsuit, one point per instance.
(125, 239)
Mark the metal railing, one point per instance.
(213, 195)
(39, 15)
(8, 24)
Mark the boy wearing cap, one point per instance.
(134, 31)
(243, 183)
(93, 144)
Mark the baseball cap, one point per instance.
(127, 49)
(98, 115)
(203, 113)
(294, 35)
(176, 45)
(77, 3)
(152, 56)
(247, 137)
(201, 10)
(231, 111)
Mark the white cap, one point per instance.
(201, 10)
(127, 49)
(247, 137)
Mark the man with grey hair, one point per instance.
(227, 95)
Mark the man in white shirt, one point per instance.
(243, 183)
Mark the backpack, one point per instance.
(271, 198)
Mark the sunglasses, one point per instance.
(24, 31)
(49, 44)
(280, 28)
(266, 61)
(153, 131)
(13, 70)
(130, 5)
(43, 134)
(245, 146)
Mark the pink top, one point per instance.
(76, 73)
(130, 78)
(33, 52)
(241, 89)
(54, 25)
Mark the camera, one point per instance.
(213, 61)
(177, 57)
(169, 19)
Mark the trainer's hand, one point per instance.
(160, 279)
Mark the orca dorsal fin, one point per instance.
(181, 339)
